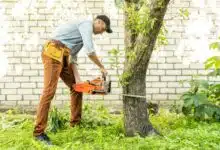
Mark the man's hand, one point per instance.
(104, 72)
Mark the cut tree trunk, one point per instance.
(136, 118)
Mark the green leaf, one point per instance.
(200, 99)
(202, 84)
(184, 13)
(213, 62)
(214, 45)
(188, 101)
(214, 73)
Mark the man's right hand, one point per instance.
(104, 72)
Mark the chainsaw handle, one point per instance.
(104, 77)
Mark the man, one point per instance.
(59, 60)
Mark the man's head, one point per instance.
(101, 24)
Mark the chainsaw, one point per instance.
(98, 86)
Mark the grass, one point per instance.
(102, 131)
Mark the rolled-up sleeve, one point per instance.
(86, 30)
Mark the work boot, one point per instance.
(43, 138)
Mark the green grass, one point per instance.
(180, 133)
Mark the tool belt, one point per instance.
(56, 50)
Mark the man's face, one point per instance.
(99, 26)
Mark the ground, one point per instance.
(102, 131)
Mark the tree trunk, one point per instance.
(135, 108)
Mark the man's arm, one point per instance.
(86, 30)
(95, 59)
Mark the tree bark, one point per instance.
(135, 109)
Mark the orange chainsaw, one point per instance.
(98, 86)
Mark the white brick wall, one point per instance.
(23, 82)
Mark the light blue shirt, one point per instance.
(75, 35)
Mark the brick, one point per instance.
(99, 4)
(174, 97)
(9, 103)
(180, 78)
(12, 85)
(152, 66)
(157, 72)
(21, 54)
(107, 47)
(152, 90)
(152, 78)
(173, 72)
(48, 30)
(59, 91)
(37, 66)
(37, 91)
(148, 97)
(165, 66)
(157, 60)
(90, 5)
(116, 90)
(173, 60)
(167, 90)
(168, 78)
(118, 29)
(159, 84)
(1, 85)
(6, 79)
(2, 98)
(121, 35)
(159, 97)
(197, 66)
(28, 85)
(189, 72)
(40, 85)
(174, 84)
(95, 10)
(14, 97)
(111, 97)
(62, 97)
(23, 102)
(165, 53)
(117, 41)
(45, 23)
(8, 91)
(186, 85)
(14, 60)
(95, 97)
(181, 66)
(202, 77)
(37, 17)
(203, 72)
(31, 97)
(41, 72)
(21, 79)
(9, 54)
(26, 60)
(30, 72)
(24, 91)
(181, 90)
(34, 102)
